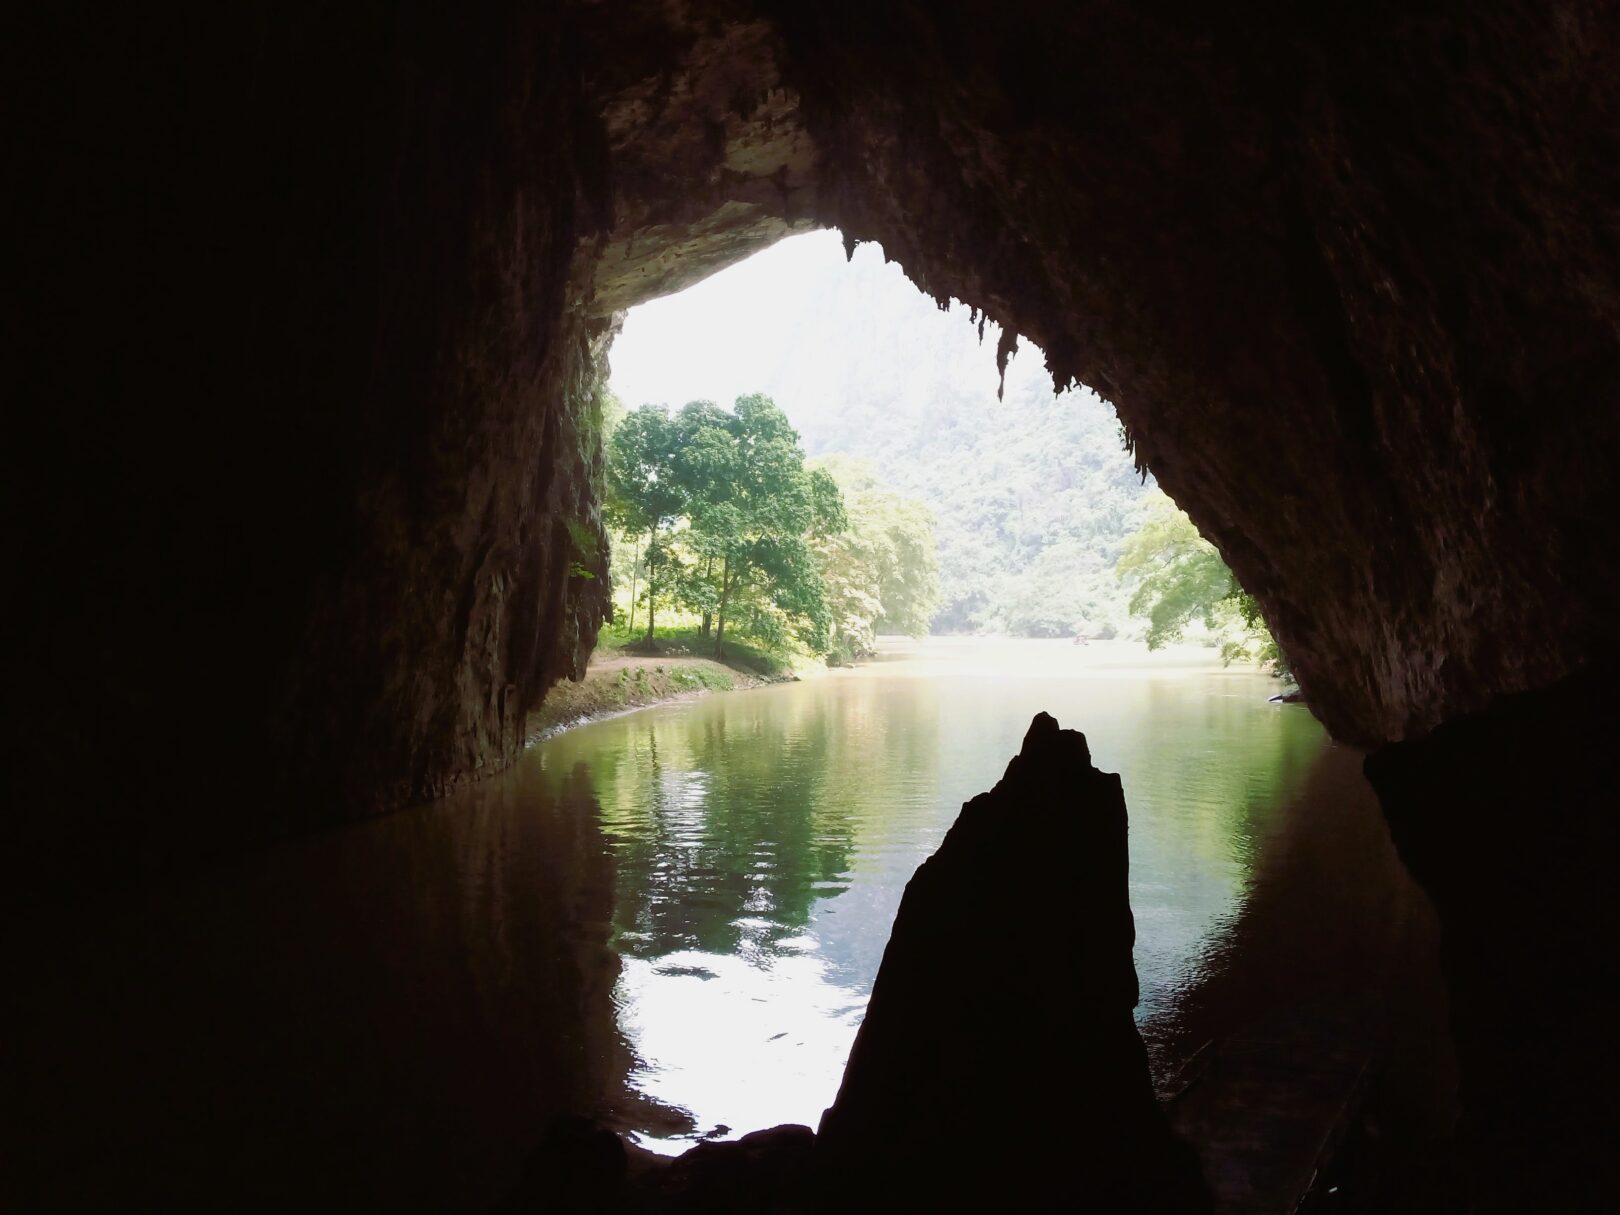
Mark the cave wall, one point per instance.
(1347, 277)
(303, 499)
(305, 494)
(1347, 274)
(1506, 817)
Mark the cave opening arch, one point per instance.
(1371, 254)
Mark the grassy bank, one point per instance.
(626, 674)
(683, 641)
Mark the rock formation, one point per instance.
(318, 487)
(1507, 819)
(997, 1067)
(302, 466)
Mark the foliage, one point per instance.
(730, 514)
(881, 572)
(754, 511)
(1257, 644)
(1177, 574)
(1031, 494)
(689, 641)
(1179, 577)
(609, 412)
(645, 494)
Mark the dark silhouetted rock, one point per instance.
(998, 1067)
(999, 1062)
(1348, 276)
(1508, 820)
(304, 452)
(768, 1172)
(579, 1166)
(583, 1167)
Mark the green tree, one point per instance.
(753, 511)
(624, 559)
(645, 494)
(881, 572)
(1179, 577)
(704, 460)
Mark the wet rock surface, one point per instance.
(1507, 820)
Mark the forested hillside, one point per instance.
(1032, 495)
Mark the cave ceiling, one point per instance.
(318, 324)
(1338, 276)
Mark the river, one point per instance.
(671, 920)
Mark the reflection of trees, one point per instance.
(1202, 817)
(720, 842)
(1333, 934)
(730, 821)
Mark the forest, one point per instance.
(1178, 578)
(723, 520)
(1031, 491)
(1040, 524)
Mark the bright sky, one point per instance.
(731, 333)
(801, 324)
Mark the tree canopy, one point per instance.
(646, 491)
(728, 511)
(754, 510)
(1031, 490)
(1178, 577)
(881, 572)
(724, 520)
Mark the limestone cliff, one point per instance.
(314, 305)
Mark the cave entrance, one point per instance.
(1029, 496)
(761, 839)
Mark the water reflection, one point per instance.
(682, 907)
(762, 842)
(382, 1016)
(735, 825)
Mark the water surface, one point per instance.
(670, 920)
(761, 841)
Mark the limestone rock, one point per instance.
(998, 1064)
(316, 497)
(1507, 819)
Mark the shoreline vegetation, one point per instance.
(626, 673)
(760, 593)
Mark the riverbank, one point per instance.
(617, 681)
(623, 675)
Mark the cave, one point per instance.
(313, 306)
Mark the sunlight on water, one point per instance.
(762, 840)
(680, 909)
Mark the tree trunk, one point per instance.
(652, 582)
(720, 625)
(708, 617)
(635, 560)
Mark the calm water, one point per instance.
(761, 841)
(670, 920)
